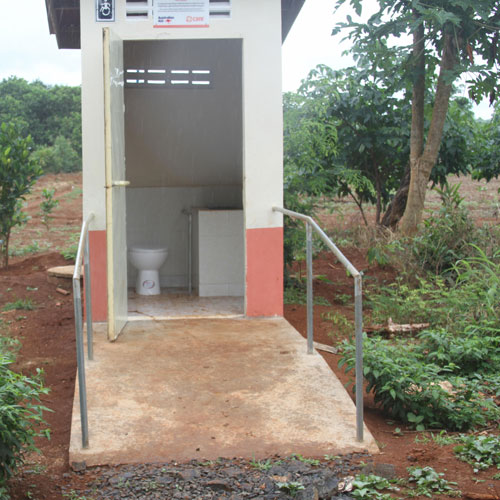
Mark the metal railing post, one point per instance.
(80, 357)
(358, 322)
(88, 300)
(310, 312)
(358, 305)
(83, 255)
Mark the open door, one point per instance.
(115, 183)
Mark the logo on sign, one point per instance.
(194, 19)
(105, 10)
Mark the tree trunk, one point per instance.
(397, 205)
(421, 165)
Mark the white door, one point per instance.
(115, 183)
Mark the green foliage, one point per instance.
(20, 417)
(370, 487)
(481, 451)
(291, 487)
(262, 465)
(33, 247)
(18, 173)
(295, 293)
(60, 157)
(407, 303)
(428, 482)
(43, 111)
(410, 385)
(341, 325)
(446, 235)
(47, 205)
(19, 305)
(305, 460)
(69, 253)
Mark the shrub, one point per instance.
(481, 452)
(445, 235)
(409, 387)
(18, 173)
(20, 416)
(444, 238)
(61, 157)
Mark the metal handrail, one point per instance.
(358, 304)
(83, 255)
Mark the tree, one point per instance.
(487, 148)
(18, 173)
(347, 134)
(450, 37)
(50, 114)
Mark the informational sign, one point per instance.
(105, 11)
(181, 13)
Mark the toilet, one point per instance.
(147, 261)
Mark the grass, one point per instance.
(74, 194)
(298, 295)
(19, 305)
(34, 247)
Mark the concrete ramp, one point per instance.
(202, 389)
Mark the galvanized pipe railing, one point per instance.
(358, 304)
(83, 256)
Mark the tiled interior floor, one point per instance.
(175, 303)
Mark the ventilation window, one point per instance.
(220, 9)
(168, 78)
(139, 9)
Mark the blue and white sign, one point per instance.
(105, 11)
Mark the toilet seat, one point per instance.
(147, 250)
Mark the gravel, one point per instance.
(236, 479)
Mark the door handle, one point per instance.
(120, 183)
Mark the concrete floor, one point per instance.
(175, 303)
(184, 389)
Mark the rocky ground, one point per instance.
(297, 477)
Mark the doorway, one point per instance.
(184, 160)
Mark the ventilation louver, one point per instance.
(168, 78)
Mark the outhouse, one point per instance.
(182, 151)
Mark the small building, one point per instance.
(182, 165)
(182, 146)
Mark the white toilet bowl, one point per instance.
(147, 261)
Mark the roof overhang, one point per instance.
(64, 20)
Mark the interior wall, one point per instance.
(184, 135)
(154, 217)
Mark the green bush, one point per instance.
(476, 349)
(481, 452)
(445, 235)
(444, 238)
(411, 388)
(472, 298)
(20, 416)
(60, 157)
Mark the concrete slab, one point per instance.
(175, 304)
(184, 389)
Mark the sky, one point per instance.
(27, 49)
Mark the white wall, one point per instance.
(177, 136)
(258, 23)
(154, 217)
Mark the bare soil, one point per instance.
(47, 337)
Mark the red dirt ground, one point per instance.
(47, 337)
